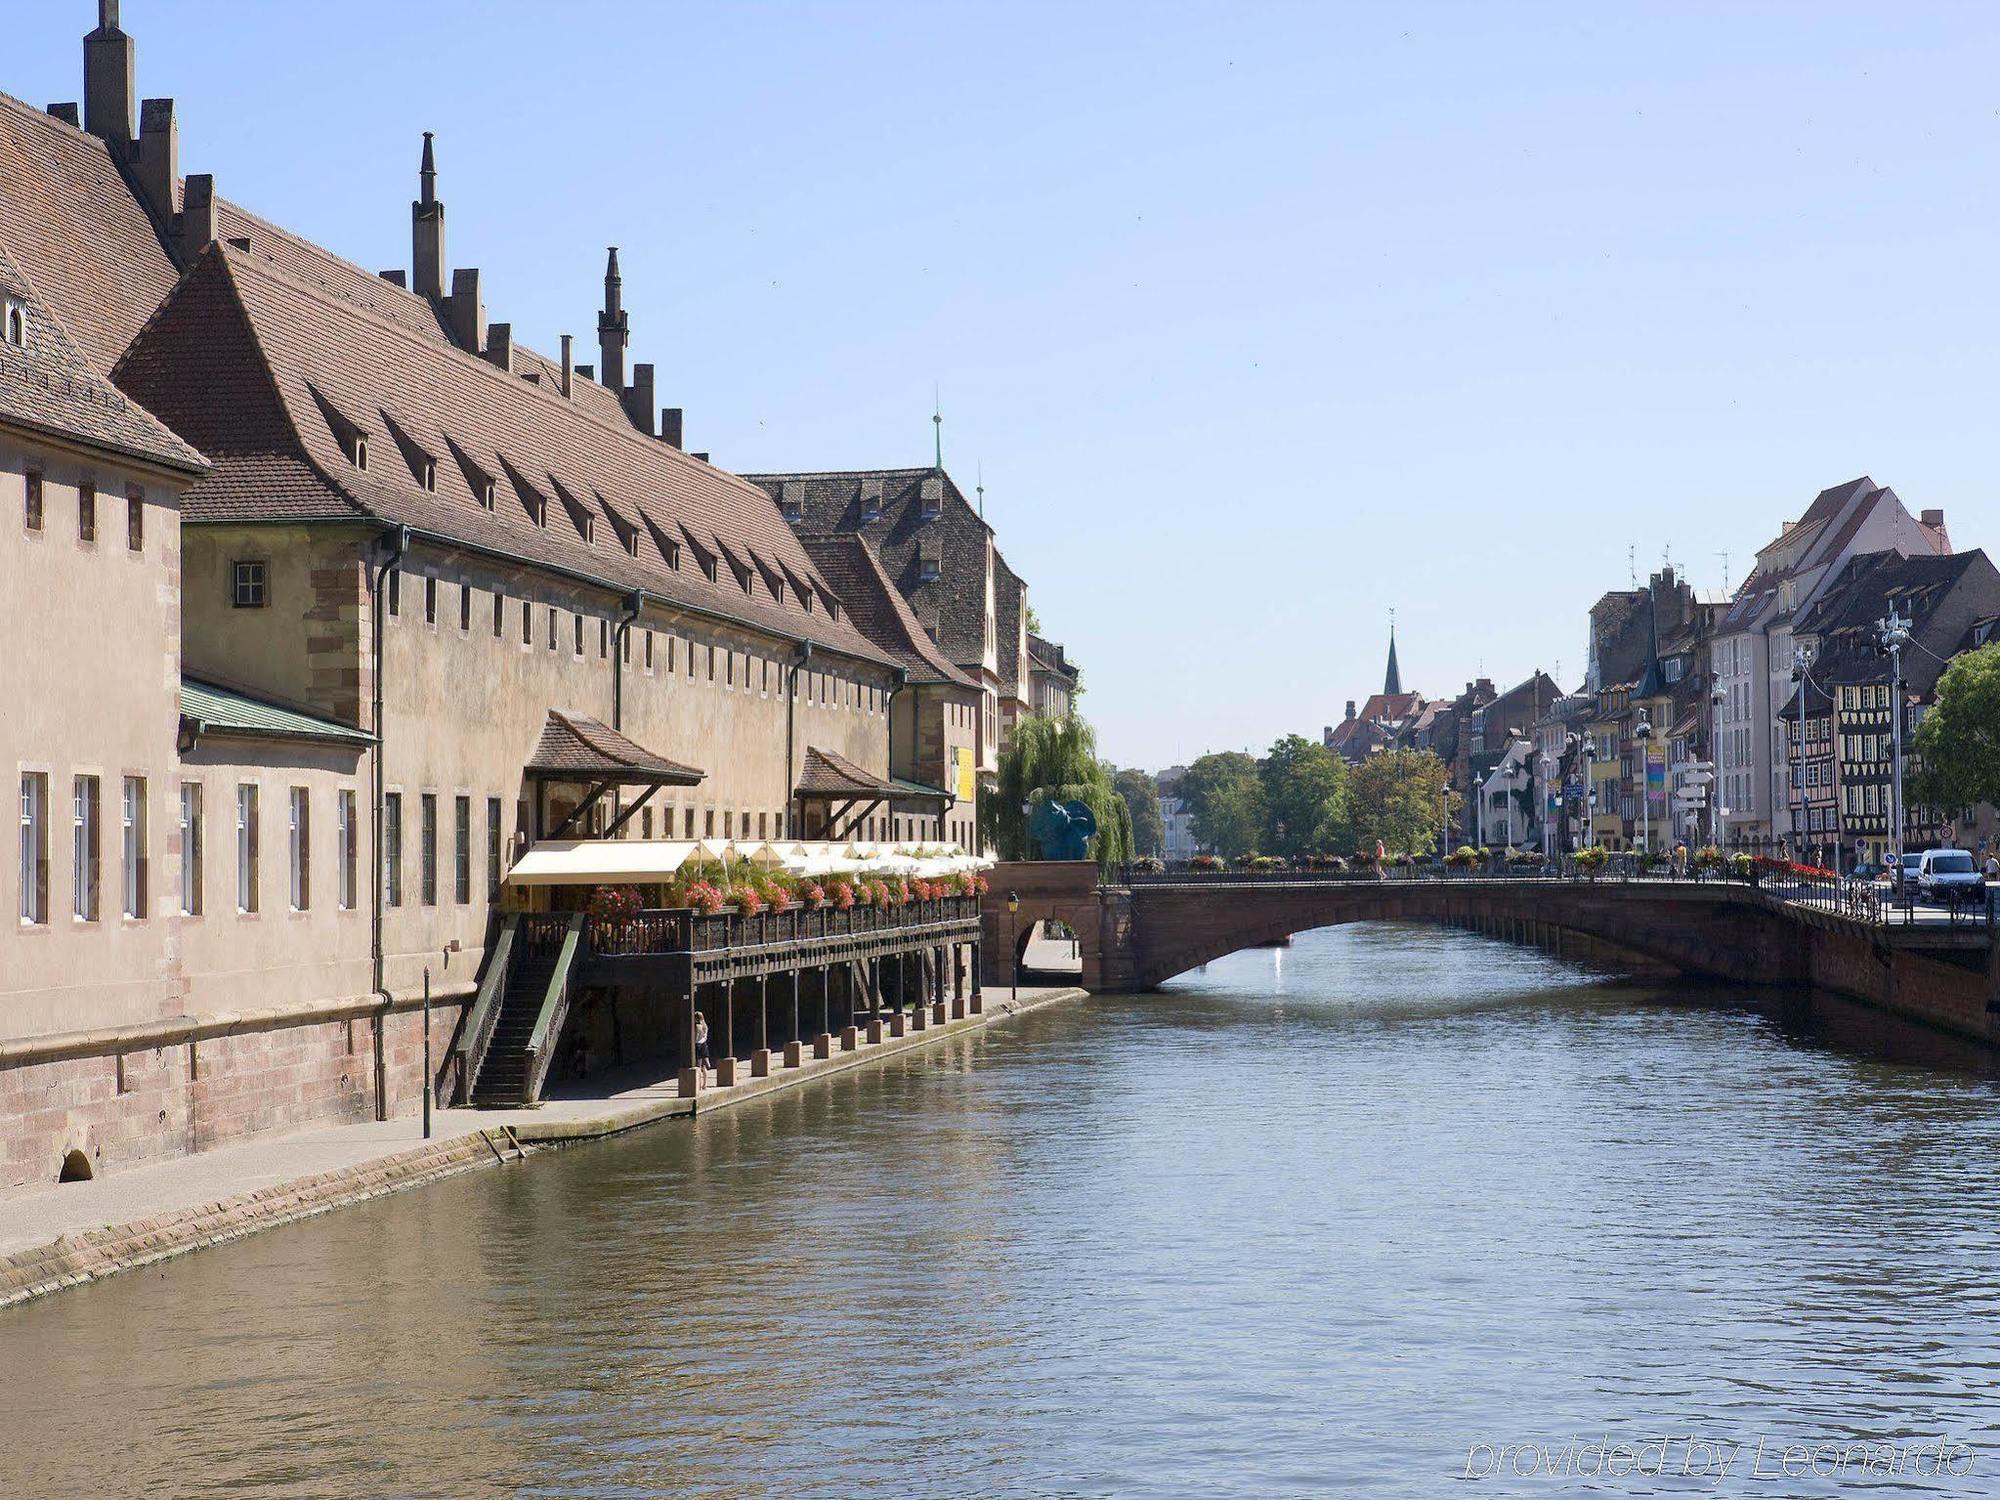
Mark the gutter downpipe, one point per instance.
(805, 655)
(634, 601)
(395, 543)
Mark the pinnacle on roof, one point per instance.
(1392, 680)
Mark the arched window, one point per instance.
(17, 324)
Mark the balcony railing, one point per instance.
(684, 930)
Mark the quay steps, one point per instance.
(504, 1072)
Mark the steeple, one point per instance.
(1392, 680)
(427, 231)
(612, 329)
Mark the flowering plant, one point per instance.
(901, 892)
(814, 896)
(703, 897)
(1464, 857)
(1205, 862)
(1148, 864)
(748, 901)
(1592, 860)
(1707, 857)
(777, 896)
(843, 895)
(615, 903)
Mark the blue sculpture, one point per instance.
(1062, 830)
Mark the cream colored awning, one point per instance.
(599, 861)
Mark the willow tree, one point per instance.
(1055, 760)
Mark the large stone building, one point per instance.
(364, 598)
(1752, 650)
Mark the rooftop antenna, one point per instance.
(981, 487)
(1632, 564)
(1667, 557)
(1725, 572)
(937, 425)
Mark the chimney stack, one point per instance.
(612, 329)
(670, 425)
(64, 112)
(588, 372)
(500, 345)
(158, 164)
(427, 231)
(1932, 518)
(639, 399)
(107, 78)
(568, 364)
(1350, 708)
(198, 222)
(465, 310)
(398, 277)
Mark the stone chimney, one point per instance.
(398, 277)
(65, 112)
(107, 78)
(568, 363)
(465, 310)
(670, 425)
(613, 329)
(427, 231)
(639, 399)
(198, 221)
(1350, 708)
(157, 164)
(588, 372)
(1932, 518)
(500, 345)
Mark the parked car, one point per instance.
(1866, 870)
(1949, 877)
(1896, 878)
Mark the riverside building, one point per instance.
(347, 602)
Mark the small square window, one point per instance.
(247, 585)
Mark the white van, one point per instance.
(1950, 878)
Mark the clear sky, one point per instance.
(1262, 320)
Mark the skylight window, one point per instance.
(14, 320)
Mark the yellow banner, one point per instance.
(966, 788)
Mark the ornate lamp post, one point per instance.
(1643, 733)
(1589, 792)
(1013, 906)
(1548, 764)
(1717, 831)
(1894, 634)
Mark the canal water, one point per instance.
(1394, 1211)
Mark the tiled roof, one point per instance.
(1048, 656)
(851, 569)
(212, 707)
(72, 223)
(1009, 600)
(46, 385)
(826, 774)
(577, 745)
(259, 368)
(886, 508)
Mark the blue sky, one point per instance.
(1261, 320)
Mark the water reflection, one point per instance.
(1315, 1220)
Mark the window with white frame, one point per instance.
(392, 848)
(84, 848)
(132, 829)
(246, 846)
(300, 861)
(348, 841)
(191, 848)
(34, 848)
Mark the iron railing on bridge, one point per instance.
(1841, 895)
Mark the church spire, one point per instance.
(1392, 680)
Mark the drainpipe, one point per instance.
(805, 655)
(633, 601)
(902, 681)
(395, 543)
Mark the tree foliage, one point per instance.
(1055, 758)
(1959, 738)
(1306, 798)
(1142, 801)
(1399, 798)
(1225, 799)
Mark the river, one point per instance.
(1346, 1218)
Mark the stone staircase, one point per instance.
(503, 1073)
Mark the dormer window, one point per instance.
(929, 564)
(428, 475)
(14, 321)
(792, 501)
(933, 499)
(871, 500)
(357, 451)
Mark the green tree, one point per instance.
(1306, 799)
(1055, 759)
(1225, 798)
(1399, 798)
(1959, 738)
(1142, 800)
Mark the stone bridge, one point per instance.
(1138, 936)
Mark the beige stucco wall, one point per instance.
(94, 691)
(276, 956)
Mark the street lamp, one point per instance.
(1589, 792)
(1013, 906)
(1717, 831)
(1643, 733)
(1548, 764)
(1893, 632)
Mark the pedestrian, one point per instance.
(1381, 861)
(701, 1042)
